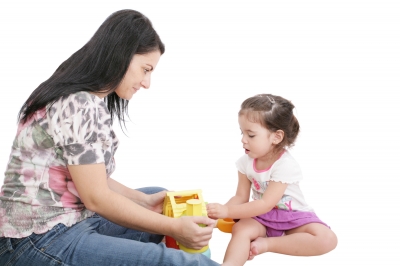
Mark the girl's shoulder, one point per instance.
(286, 169)
(286, 158)
(244, 159)
(243, 163)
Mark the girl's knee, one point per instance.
(328, 241)
(249, 227)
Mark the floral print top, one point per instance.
(38, 191)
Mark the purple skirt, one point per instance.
(278, 221)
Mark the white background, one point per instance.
(337, 61)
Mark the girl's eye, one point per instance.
(251, 136)
(146, 70)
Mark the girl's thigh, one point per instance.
(316, 229)
(324, 238)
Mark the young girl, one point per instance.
(278, 219)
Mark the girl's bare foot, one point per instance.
(258, 246)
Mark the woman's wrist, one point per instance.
(169, 226)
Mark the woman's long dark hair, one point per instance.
(100, 65)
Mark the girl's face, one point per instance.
(138, 74)
(257, 140)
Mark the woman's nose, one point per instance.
(146, 82)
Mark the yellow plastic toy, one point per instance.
(181, 203)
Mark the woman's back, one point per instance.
(37, 182)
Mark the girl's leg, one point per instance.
(307, 240)
(243, 233)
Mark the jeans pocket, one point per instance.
(44, 240)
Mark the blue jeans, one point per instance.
(95, 241)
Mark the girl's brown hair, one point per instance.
(274, 113)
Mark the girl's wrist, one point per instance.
(228, 211)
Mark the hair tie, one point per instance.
(271, 99)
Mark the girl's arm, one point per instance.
(242, 191)
(94, 191)
(271, 197)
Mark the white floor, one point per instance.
(338, 61)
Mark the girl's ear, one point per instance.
(278, 136)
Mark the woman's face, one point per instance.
(138, 74)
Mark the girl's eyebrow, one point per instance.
(248, 130)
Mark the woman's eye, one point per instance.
(251, 136)
(146, 70)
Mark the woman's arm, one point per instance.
(152, 202)
(131, 194)
(95, 192)
(240, 210)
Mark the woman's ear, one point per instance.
(278, 136)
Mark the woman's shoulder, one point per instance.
(76, 102)
(81, 98)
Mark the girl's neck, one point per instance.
(268, 160)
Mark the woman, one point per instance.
(59, 204)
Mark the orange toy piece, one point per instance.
(225, 225)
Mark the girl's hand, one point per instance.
(154, 202)
(217, 211)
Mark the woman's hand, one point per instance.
(189, 234)
(217, 211)
(154, 202)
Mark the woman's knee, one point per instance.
(151, 190)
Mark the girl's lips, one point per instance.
(246, 151)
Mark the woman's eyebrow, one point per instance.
(150, 66)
